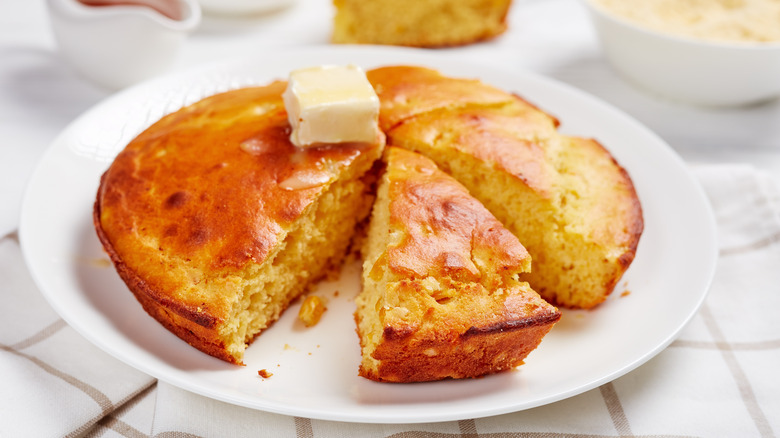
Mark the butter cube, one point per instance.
(331, 104)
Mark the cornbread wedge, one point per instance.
(441, 298)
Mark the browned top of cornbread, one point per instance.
(584, 187)
(510, 137)
(442, 231)
(405, 91)
(206, 191)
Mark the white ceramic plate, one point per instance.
(315, 370)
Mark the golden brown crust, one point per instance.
(195, 328)
(215, 172)
(510, 137)
(474, 334)
(446, 232)
(466, 356)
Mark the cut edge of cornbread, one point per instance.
(309, 252)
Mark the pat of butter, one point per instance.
(331, 104)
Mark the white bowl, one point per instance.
(117, 46)
(689, 70)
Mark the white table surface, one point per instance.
(40, 94)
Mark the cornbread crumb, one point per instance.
(101, 262)
(625, 294)
(264, 373)
(311, 310)
(714, 20)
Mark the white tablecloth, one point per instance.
(718, 379)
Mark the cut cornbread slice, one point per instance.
(216, 222)
(565, 198)
(440, 297)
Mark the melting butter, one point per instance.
(331, 104)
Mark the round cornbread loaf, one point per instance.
(216, 222)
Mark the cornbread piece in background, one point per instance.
(418, 23)
(743, 21)
(216, 222)
(440, 297)
(567, 200)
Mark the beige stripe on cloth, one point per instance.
(745, 389)
(615, 409)
(114, 422)
(101, 399)
(40, 336)
(303, 428)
